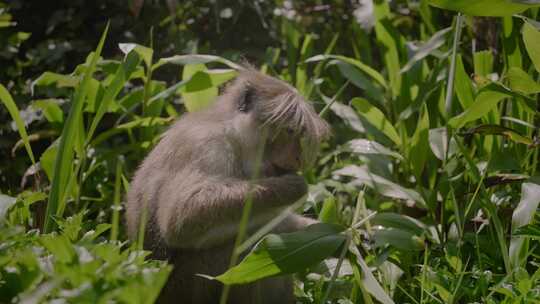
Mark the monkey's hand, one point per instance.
(281, 190)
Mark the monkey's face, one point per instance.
(283, 154)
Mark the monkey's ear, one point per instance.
(247, 100)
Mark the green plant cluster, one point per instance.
(428, 191)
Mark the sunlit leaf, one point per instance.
(418, 151)
(521, 82)
(357, 63)
(531, 38)
(369, 281)
(500, 130)
(8, 101)
(487, 100)
(376, 118)
(362, 176)
(286, 253)
(435, 42)
(364, 146)
(495, 8)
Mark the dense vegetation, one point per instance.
(429, 186)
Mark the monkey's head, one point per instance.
(270, 113)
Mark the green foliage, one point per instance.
(428, 190)
(76, 266)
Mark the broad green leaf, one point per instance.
(61, 81)
(144, 52)
(523, 215)
(435, 42)
(369, 281)
(463, 85)
(500, 130)
(286, 253)
(487, 100)
(348, 115)
(362, 176)
(198, 93)
(483, 63)
(195, 59)
(8, 101)
(359, 79)
(531, 38)
(419, 143)
(521, 82)
(47, 159)
(51, 109)
(399, 221)
(494, 8)
(137, 123)
(364, 146)
(329, 211)
(120, 78)
(60, 247)
(438, 142)
(357, 63)
(64, 157)
(398, 238)
(376, 118)
(385, 33)
(528, 231)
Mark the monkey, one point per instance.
(192, 186)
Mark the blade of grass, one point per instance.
(7, 100)
(452, 71)
(64, 158)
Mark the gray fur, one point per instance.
(196, 180)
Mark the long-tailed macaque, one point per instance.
(195, 182)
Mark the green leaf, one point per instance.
(195, 59)
(399, 221)
(364, 146)
(436, 41)
(500, 130)
(120, 78)
(64, 158)
(398, 238)
(463, 85)
(61, 81)
(357, 63)
(51, 109)
(286, 253)
(521, 82)
(528, 231)
(387, 38)
(144, 52)
(418, 151)
(368, 280)
(7, 100)
(494, 8)
(362, 176)
(376, 118)
(198, 93)
(329, 211)
(531, 38)
(59, 246)
(487, 100)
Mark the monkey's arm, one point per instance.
(209, 214)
